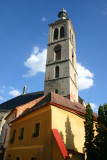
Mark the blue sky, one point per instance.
(23, 43)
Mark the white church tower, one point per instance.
(61, 72)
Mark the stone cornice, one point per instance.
(59, 78)
(61, 61)
(58, 22)
(57, 41)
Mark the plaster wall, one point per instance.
(7, 129)
(30, 146)
(2, 124)
(12, 116)
(70, 127)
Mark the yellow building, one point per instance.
(39, 133)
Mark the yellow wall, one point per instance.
(71, 126)
(31, 146)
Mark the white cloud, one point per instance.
(104, 12)
(85, 77)
(36, 62)
(43, 19)
(2, 99)
(35, 50)
(94, 107)
(14, 93)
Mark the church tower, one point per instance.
(61, 73)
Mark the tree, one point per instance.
(96, 146)
(100, 137)
(105, 111)
(89, 133)
(105, 132)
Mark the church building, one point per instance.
(53, 128)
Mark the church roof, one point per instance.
(20, 100)
(61, 102)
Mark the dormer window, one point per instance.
(56, 34)
(57, 50)
(62, 32)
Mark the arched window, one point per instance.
(56, 72)
(57, 50)
(72, 57)
(56, 34)
(62, 32)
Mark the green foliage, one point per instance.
(99, 139)
(89, 133)
(96, 145)
(104, 143)
(105, 110)
(101, 125)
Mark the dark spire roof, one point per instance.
(20, 100)
(62, 15)
(24, 89)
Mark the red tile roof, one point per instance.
(59, 101)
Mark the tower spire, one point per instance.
(24, 89)
(62, 15)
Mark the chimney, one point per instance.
(70, 97)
